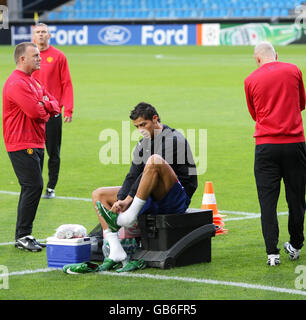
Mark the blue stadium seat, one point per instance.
(266, 4)
(105, 14)
(63, 15)
(145, 14)
(236, 5)
(246, 13)
(117, 14)
(83, 15)
(284, 12)
(208, 13)
(77, 5)
(215, 13)
(275, 12)
(87, 9)
(193, 13)
(175, 13)
(223, 13)
(52, 16)
(253, 12)
(237, 12)
(267, 12)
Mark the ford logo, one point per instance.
(114, 35)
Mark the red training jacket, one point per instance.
(275, 97)
(55, 76)
(24, 117)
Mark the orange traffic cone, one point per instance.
(209, 202)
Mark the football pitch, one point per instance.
(199, 90)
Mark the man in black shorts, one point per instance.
(161, 180)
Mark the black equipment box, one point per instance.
(176, 239)
(160, 232)
(169, 240)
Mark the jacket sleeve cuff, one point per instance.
(51, 109)
(67, 113)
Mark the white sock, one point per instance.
(116, 252)
(129, 216)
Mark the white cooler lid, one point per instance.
(69, 242)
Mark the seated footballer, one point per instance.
(161, 180)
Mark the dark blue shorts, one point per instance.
(175, 201)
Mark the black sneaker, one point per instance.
(50, 194)
(28, 243)
(41, 244)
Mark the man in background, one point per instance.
(55, 76)
(27, 106)
(275, 97)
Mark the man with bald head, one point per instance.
(275, 97)
(264, 53)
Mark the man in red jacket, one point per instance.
(27, 106)
(55, 76)
(275, 97)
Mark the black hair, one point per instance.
(144, 110)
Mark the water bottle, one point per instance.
(94, 244)
(128, 248)
(69, 234)
(134, 245)
(105, 248)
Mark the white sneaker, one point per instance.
(50, 194)
(273, 260)
(293, 253)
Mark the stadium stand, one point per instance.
(174, 9)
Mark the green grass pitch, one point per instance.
(192, 88)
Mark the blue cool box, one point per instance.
(65, 251)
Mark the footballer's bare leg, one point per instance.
(157, 179)
(107, 196)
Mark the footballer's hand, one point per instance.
(120, 206)
(125, 204)
(116, 206)
(67, 119)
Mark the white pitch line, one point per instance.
(12, 243)
(6, 243)
(246, 215)
(74, 198)
(10, 192)
(209, 281)
(238, 212)
(254, 216)
(169, 278)
(251, 214)
(24, 272)
(57, 197)
(63, 198)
